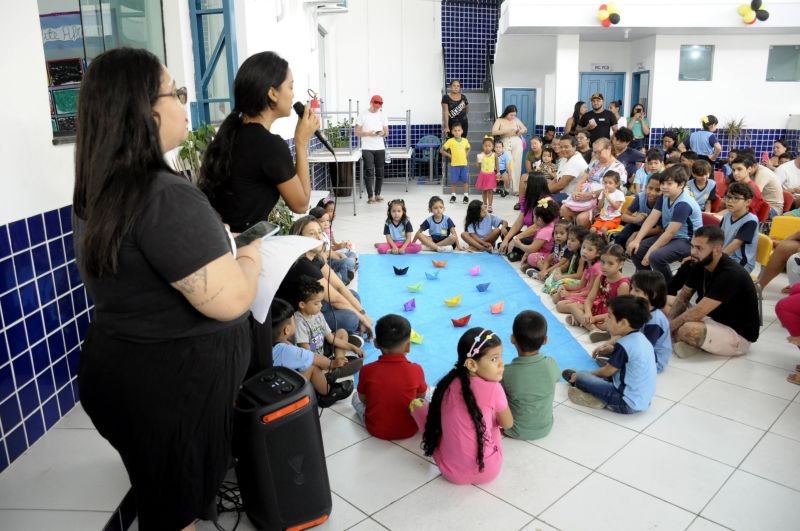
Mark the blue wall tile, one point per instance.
(3, 459)
(18, 231)
(17, 341)
(28, 399)
(57, 256)
(5, 243)
(24, 266)
(6, 382)
(65, 399)
(30, 300)
(10, 415)
(46, 289)
(36, 229)
(34, 427)
(40, 357)
(7, 278)
(46, 385)
(52, 224)
(16, 443)
(51, 412)
(23, 369)
(41, 260)
(11, 307)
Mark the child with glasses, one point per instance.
(740, 226)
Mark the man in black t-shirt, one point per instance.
(598, 122)
(725, 319)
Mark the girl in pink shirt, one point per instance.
(461, 425)
(545, 218)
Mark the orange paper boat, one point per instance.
(462, 321)
(443, 263)
(454, 301)
(497, 307)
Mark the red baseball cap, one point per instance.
(377, 100)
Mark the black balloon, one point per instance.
(755, 5)
(614, 18)
(762, 15)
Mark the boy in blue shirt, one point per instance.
(442, 236)
(653, 163)
(628, 382)
(740, 226)
(638, 210)
(701, 186)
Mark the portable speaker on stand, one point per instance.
(280, 460)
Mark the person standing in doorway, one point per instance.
(455, 107)
(598, 122)
(373, 126)
(510, 129)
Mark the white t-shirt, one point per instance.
(574, 166)
(371, 122)
(607, 212)
(788, 174)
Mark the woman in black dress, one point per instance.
(169, 343)
(454, 108)
(246, 168)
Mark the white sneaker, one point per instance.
(445, 249)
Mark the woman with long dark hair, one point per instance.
(247, 168)
(510, 129)
(572, 122)
(536, 189)
(455, 108)
(169, 343)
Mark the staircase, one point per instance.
(480, 125)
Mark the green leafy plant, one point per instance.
(340, 133)
(190, 154)
(734, 130)
(282, 217)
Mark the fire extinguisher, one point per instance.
(315, 104)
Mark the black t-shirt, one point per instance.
(456, 109)
(259, 163)
(604, 119)
(176, 234)
(288, 289)
(730, 284)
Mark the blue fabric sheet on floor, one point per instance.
(384, 292)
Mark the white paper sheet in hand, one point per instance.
(278, 253)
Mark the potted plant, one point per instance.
(282, 217)
(191, 150)
(734, 130)
(340, 135)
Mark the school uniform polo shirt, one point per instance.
(389, 385)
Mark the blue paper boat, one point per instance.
(432, 276)
(483, 287)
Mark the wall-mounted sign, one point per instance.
(602, 67)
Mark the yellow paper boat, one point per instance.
(454, 301)
(416, 337)
(415, 287)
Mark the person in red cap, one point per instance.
(373, 126)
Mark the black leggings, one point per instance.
(373, 169)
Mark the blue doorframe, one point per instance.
(206, 61)
(636, 89)
(525, 100)
(610, 85)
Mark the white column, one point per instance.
(567, 77)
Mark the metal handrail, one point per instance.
(488, 85)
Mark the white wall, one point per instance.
(737, 89)
(386, 47)
(524, 61)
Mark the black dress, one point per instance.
(158, 378)
(457, 112)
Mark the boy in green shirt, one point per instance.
(530, 379)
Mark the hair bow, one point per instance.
(543, 202)
(473, 350)
(704, 119)
(490, 137)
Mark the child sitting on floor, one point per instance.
(628, 382)
(461, 425)
(442, 236)
(573, 272)
(345, 247)
(538, 251)
(530, 379)
(344, 266)
(398, 231)
(559, 256)
(590, 258)
(481, 228)
(307, 363)
(387, 385)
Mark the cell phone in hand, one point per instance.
(257, 231)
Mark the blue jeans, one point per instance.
(341, 266)
(622, 237)
(560, 196)
(603, 389)
(673, 251)
(347, 319)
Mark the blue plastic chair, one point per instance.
(422, 152)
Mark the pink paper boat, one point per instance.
(410, 305)
(497, 307)
(462, 321)
(475, 271)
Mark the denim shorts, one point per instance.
(458, 174)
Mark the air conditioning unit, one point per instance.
(328, 6)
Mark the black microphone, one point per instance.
(300, 109)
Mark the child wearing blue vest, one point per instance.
(442, 236)
(627, 383)
(740, 226)
(679, 215)
(704, 142)
(701, 186)
(653, 163)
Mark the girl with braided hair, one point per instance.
(461, 425)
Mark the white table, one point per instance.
(401, 153)
(323, 156)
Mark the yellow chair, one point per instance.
(625, 205)
(783, 226)
(763, 252)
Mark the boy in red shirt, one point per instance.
(387, 386)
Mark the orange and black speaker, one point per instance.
(280, 460)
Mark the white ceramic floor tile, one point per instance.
(775, 458)
(788, 424)
(758, 377)
(635, 421)
(533, 478)
(368, 525)
(702, 364)
(343, 516)
(674, 383)
(21, 520)
(443, 505)
(584, 438)
(747, 502)
(373, 473)
(774, 350)
(339, 432)
(344, 409)
(412, 444)
(538, 525)
(701, 524)
(600, 503)
(75, 470)
(673, 474)
(76, 418)
(706, 434)
(736, 403)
